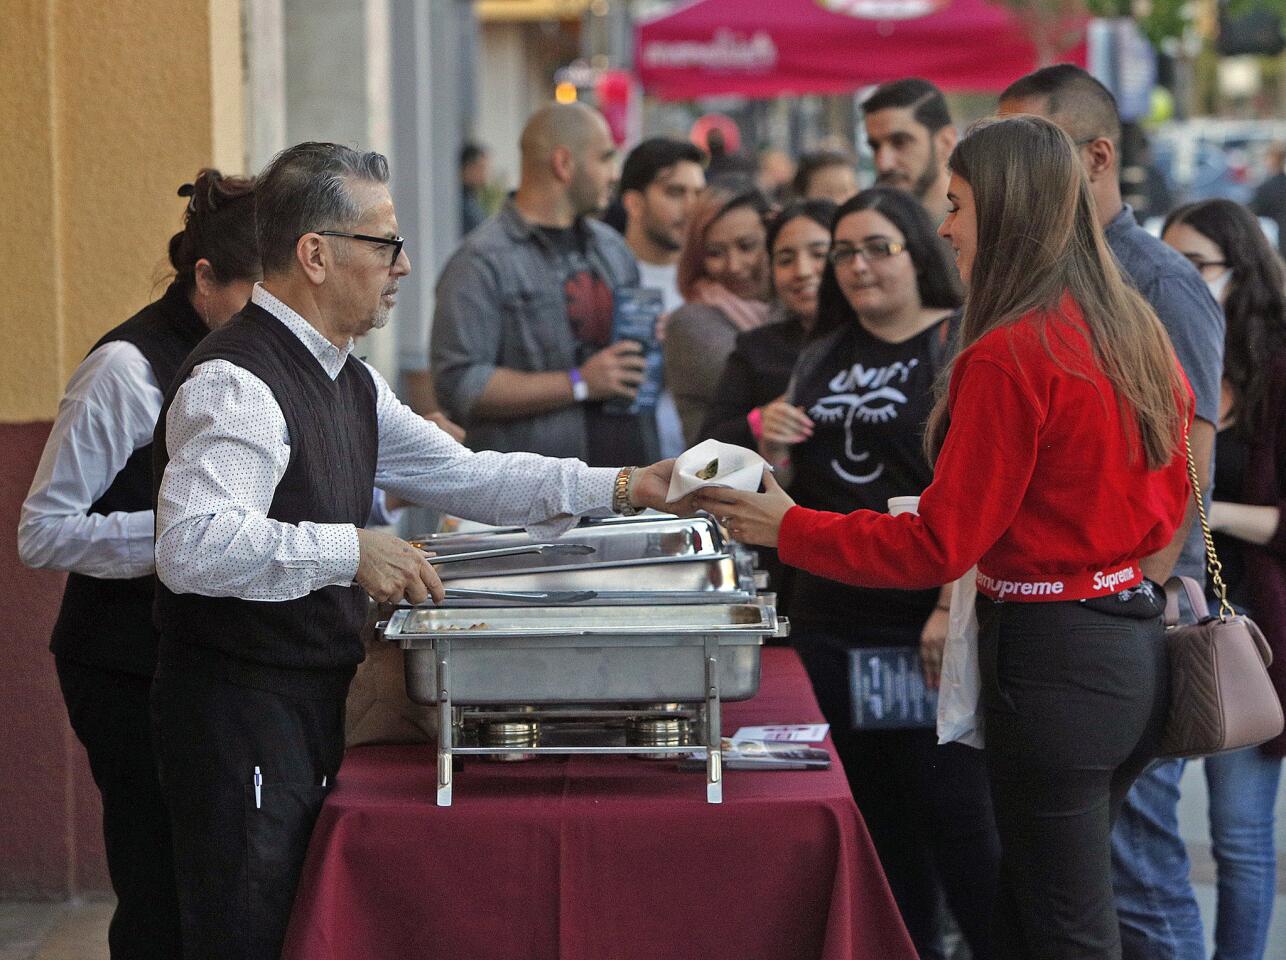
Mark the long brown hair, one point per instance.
(1038, 240)
(716, 200)
(1255, 307)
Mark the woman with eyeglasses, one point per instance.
(723, 276)
(89, 512)
(847, 437)
(1059, 470)
(1227, 246)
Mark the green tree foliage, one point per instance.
(1158, 18)
(1169, 18)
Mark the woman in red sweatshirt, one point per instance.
(1059, 471)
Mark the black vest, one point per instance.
(309, 645)
(108, 623)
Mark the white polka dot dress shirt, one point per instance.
(229, 448)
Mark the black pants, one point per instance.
(1075, 700)
(109, 713)
(927, 807)
(238, 859)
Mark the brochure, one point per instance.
(888, 691)
(785, 732)
(762, 755)
(635, 312)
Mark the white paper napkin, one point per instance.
(739, 469)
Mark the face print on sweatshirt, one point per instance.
(868, 400)
(862, 398)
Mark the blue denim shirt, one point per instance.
(500, 303)
(1196, 326)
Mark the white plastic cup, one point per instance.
(904, 505)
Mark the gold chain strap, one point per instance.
(1213, 565)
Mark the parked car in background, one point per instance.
(1205, 157)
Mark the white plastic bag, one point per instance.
(959, 711)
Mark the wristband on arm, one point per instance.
(580, 389)
(755, 420)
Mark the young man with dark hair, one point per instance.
(1158, 913)
(909, 130)
(660, 183)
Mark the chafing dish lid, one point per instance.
(459, 622)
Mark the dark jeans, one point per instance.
(238, 860)
(1075, 700)
(927, 807)
(108, 712)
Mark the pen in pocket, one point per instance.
(258, 789)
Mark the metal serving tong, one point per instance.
(544, 549)
(553, 597)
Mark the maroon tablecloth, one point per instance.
(596, 858)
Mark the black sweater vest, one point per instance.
(309, 645)
(108, 623)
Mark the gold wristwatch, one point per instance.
(621, 493)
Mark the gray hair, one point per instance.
(306, 188)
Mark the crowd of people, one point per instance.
(986, 327)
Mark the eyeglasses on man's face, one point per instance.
(842, 254)
(394, 242)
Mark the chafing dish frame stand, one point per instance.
(712, 749)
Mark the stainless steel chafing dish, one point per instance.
(629, 558)
(659, 623)
(578, 657)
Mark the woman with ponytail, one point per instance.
(89, 512)
(1059, 469)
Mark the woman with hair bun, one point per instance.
(1059, 470)
(89, 512)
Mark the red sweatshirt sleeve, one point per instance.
(980, 477)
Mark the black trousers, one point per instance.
(238, 856)
(109, 713)
(927, 807)
(1075, 700)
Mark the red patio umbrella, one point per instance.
(766, 48)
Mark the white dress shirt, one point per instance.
(108, 412)
(229, 447)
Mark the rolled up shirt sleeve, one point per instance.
(228, 448)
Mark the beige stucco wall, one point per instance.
(106, 108)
